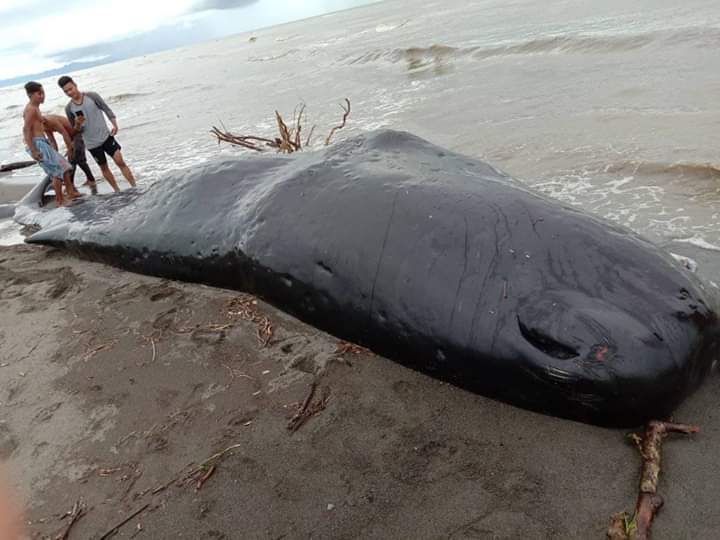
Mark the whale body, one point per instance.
(430, 258)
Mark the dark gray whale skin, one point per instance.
(433, 259)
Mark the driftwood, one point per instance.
(637, 527)
(308, 409)
(342, 125)
(245, 308)
(289, 139)
(345, 347)
(207, 468)
(73, 516)
(116, 528)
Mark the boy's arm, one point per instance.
(51, 138)
(70, 115)
(100, 102)
(28, 116)
(68, 140)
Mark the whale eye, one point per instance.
(547, 344)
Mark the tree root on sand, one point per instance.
(637, 527)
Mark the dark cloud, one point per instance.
(207, 5)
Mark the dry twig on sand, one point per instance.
(207, 468)
(199, 474)
(637, 527)
(345, 347)
(204, 478)
(116, 528)
(74, 515)
(245, 308)
(309, 409)
(105, 346)
(289, 139)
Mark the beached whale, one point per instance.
(433, 259)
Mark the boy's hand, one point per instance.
(37, 156)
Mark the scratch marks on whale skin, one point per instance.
(382, 254)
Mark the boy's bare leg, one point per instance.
(89, 177)
(69, 187)
(108, 175)
(57, 187)
(124, 169)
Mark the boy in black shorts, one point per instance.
(86, 111)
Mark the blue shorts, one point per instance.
(51, 161)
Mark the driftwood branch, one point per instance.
(345, 347)
(289, 138)
(73, 516)
(247, 141)
(308, 409)
(116, 528)
(637, 527)
(312, 130)
(246, 308)
(346, 110)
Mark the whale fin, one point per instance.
(52, 236)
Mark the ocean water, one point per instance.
(611, 106)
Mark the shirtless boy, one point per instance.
(54, 123)
(54, 165)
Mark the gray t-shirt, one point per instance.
(95, 130)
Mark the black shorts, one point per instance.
(109, 147)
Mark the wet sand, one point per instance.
(112, 384)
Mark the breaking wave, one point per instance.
(698, 241)
(272, 57)
(552, 44)
(681, 169)
(117, 98)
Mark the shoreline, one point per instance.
(112, 383)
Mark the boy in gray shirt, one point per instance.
(85, 112)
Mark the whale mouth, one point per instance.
(569, 325)
(547, 344)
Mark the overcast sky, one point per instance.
(41, 35)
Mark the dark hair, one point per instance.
(32, 87)
(62, 81)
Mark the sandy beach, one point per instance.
(118, 390)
